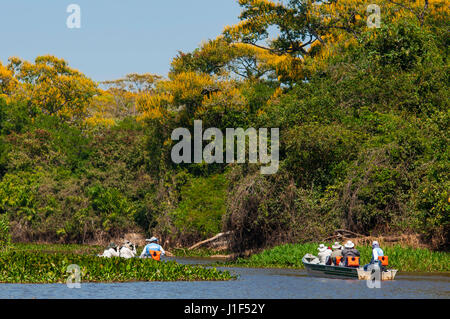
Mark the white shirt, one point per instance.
(377, 252)
(127, 253)
(111, 252)
(323, 256)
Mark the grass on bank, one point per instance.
(200, 253)
(57, 248)
(94, 250)
(402, 258)
(40, 267)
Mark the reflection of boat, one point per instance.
(388, 274)
(314, 268)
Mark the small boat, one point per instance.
(314, 268)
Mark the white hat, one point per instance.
(322, 248)
(336, 245)
(153, 239)
(375, 243)
(349, 244)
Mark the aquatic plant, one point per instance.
(38, 267)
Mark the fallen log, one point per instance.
(348, 232)
(204, 242)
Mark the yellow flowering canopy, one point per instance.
(52, 85)
(304, 28)
(7, 82)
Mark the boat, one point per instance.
(314, 268)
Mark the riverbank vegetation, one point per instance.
(405, 259)
(39, 267)
(78, 249)
(363, 116)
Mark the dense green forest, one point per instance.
(363, 115)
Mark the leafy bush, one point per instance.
(200, 210)
(5, 236)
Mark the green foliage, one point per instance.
(402, 45)
(112, 206)
(5, 236)
(317, 152)
(18, 194)
(33, 267)
(202, 205)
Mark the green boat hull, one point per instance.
(338, 272)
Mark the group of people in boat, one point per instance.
(128, 250)
(348, 255)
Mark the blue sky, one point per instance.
(116, 37)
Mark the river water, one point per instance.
(251, 284)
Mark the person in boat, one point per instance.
(111, 251)
(324, 254)
(376, 252)
(128, 250)
(152, 246)
(349, 251)
(337, 252)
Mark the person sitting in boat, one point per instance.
(376, 252)
(128, 250)
(337, 252)
(111, 251)
(324, 254)
(152, 246)
(349, 251)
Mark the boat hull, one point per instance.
(326, 271)
(339, 272)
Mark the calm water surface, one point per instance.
(251, 284)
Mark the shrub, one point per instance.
(5, 236)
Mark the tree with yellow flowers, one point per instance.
(7, 81)
(125, 92)
(303, 27)
(50, 84)
(221, 57)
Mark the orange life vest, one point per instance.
(156, 255)
(353, 261)
(338, 260)
(384, 260)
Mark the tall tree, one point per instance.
(52, 85)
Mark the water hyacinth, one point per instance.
(38, 267)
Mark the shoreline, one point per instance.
(288, 256)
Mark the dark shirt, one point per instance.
(350, 252)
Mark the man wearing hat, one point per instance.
(349, 251)
(337, 252)
(376, 252)
(152, 246)
(324, 254)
